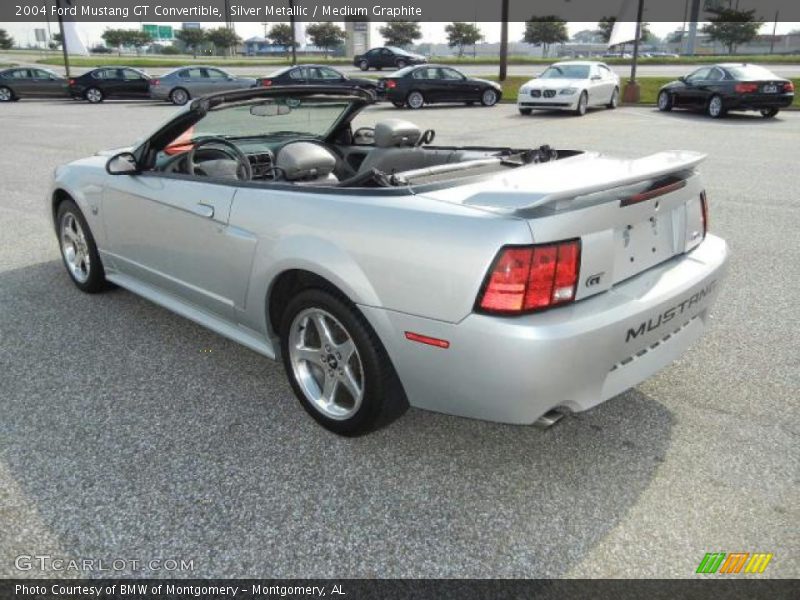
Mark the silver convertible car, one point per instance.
(507, 284)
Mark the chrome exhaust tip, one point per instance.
(548, 419)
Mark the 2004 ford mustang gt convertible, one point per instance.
(508, 284)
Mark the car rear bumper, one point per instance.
(759, 101)
(516, 369)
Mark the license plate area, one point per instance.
(770, 89)
(639, 246)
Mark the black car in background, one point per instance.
(428, 84)
(717, 89)
(24, 82)
(388, 57)
(314, 75)
(110, 82)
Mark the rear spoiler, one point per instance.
(567, 182)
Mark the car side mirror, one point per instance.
(123, 163)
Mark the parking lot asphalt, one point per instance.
(129, 432)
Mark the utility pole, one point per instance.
(632, 92)
(291, 23)
(695, 16)
(503, 40)
(774, 29)
(63, 37)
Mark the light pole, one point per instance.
(291, 24)
(632, 91)
(63, 37)
(503, 40)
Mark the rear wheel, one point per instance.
(715, 108)
(489, 97)
(363, 65)
(93, 95)
(78, 249)
(337, 366)
(6, 95)
(614, 102)
(415, 100)
(768, 113)
(525, 111)
(401, 63)
(179, 96)
(664, 101)
(583, 101)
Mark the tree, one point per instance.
(6, 41)
(400, 33)
(462, 34)
(224, 38)
(282, 35)
(732, 27)
(325, 35)
(543, 31)
(191, 38)
(137, 39)
(114, 38)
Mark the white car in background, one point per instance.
(571, 85)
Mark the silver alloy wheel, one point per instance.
(663, 101)
(715, 106)
(94, 95)
(415, 100)
(75, 248)
(489, 98)
(326, 363)
(5, 94)
(179, 97)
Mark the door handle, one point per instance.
(204, 210)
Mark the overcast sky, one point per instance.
(432, 32)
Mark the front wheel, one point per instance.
(768, 113)
(415, 100)
(78, 249)
(715, 108)
(6, 95)
(94, 95)
(489, 98)
(583, 102)
(664, 101)
(614, 102)
(337, 366)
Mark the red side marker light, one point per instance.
(424, 339)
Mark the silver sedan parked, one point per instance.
(182, 84)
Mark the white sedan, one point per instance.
(573, 85)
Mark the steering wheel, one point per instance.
(244, 170)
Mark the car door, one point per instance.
(456, 87)
(386, 58)
(220, 81)
(22, 82)
(426, 80)
(110, 81)
(171, 233)
(327, 76)
(134, 84)
(692, 94)
(48, 84)
(605, 85)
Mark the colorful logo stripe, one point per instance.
(734, 562)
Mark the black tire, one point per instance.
(768, 113)
(179, 96)
(664, 101)
(488, 99)
(583, 103)
(383, 397)
(614, 99)
(7, 94)
(363, 65)
(715, 107)
(525, 111)
(412, 101)
(399, 104)
(96, 281)
(94, 95)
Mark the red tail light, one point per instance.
(391, 84)
(746, 88)
(72, 82)
(788, 86)
(155, 82)
(704, 209)
(266, 82)
(529, 278)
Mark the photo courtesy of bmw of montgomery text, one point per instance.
(496, 283)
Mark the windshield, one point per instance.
(273, 117)
(752, 72)
(566, 72)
